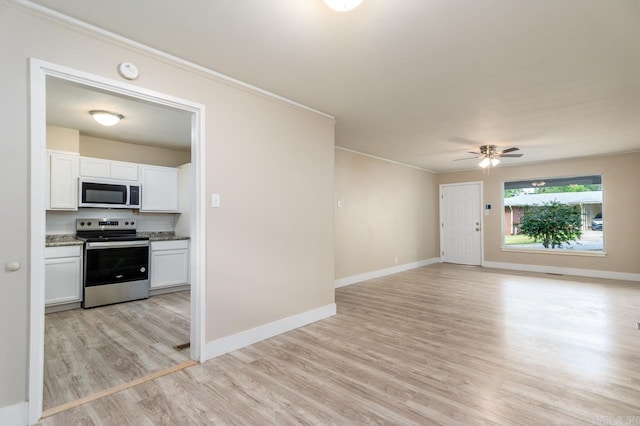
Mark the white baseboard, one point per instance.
(341, 282)
(15, 415)
(593, 273)
(254, 335)
(171, 289)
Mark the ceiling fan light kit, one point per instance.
(490, 155)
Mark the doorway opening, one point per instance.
(192, 301)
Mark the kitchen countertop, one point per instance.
(60, 240)
(162, 236)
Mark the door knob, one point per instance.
(12, 266)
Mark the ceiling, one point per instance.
(144, 123)
(419, 81)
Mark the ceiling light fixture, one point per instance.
(538, 183)
(489, 156)
(342, 5)
(106, 118)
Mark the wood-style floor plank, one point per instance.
(442, 344)
(90, 350)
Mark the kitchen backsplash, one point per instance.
(65, 222)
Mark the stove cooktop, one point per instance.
(107, 238)
(104, 230)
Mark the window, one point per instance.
(554, 214)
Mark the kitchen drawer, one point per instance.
(63, 251)
(169, 245)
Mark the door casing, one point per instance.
(39, 71)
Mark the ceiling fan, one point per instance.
(490, 155)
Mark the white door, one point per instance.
(461, 223)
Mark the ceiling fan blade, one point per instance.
(504, 151)
(509, 155)
(468, 158)
(474, 153)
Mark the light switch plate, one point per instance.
(215, 200)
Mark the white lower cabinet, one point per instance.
(63, 275)
(169, 263)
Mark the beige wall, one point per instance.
(63, 139)
(388, 211)
(621, 175)
(270, 245)
(123, 151)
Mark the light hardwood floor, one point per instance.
(442, 344)
(91, 350)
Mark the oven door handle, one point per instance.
(117, 244)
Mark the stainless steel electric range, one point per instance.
(116, 261)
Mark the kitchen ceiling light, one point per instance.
(106, 118)
(342, 5)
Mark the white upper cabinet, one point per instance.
(159, 189)
(160, 185)
(94, 167)
(63, 181)
(125, 171)
(100, 168)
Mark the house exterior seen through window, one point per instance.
(558, 214)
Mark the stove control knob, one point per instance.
(133, 223)
(81, 223)
(126, 223)
(88, 223)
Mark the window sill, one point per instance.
(561, 252)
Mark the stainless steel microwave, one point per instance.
(112, 194)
